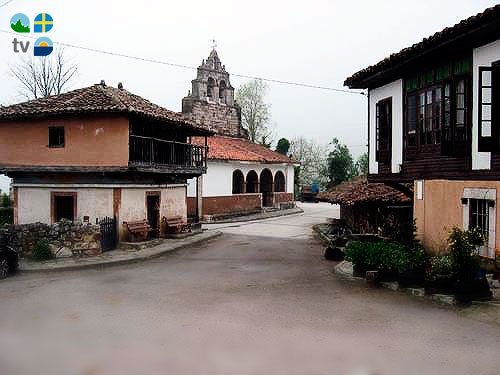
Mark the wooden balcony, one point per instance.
(157, 155)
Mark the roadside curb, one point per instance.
(253, 217)
(344, 270)
(125, 257)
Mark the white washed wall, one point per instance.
(392, 90)
(34, 203)
(218, 181)
(481, 56)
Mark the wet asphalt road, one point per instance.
(259, 300)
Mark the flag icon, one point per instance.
(43, 23)
(43, 47)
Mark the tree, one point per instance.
(255, 112)
(340, 163)
(4, 200)
(313, 161)
(44, 76)
(362, 165)
(283, 146)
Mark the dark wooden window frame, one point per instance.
(440, 144)
(55, 139)
(54, 194)
(489, 141)
(385, 141)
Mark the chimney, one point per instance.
(120, 85)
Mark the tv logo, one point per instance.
(43, 23)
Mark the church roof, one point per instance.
(97, 99)
(240, 149)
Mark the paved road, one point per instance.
(259, 300)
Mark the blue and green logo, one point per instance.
(42, 23)
(20, 23)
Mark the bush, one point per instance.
(42, 251)
(441, 265)
(385, 255)
(463, 253)
(6, 215)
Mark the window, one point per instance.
(238, 182)
(210, 87)
(63, 206)
(437, 114)
(56, 136)
(479, 216)
(383, 130)
(489, 90)
(222, 88)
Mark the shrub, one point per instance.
(6, 215)
(42, 251)
(441, 265)
(385, 255)
(465, 260)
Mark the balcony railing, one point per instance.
(158, 153)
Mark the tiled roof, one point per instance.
(228, 148)
(96, 99)
(450, 34)
(360, 191)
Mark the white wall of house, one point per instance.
(218, 181)
(34, 203)
(481, 56)
(392, 90)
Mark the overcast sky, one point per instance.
(315, 42)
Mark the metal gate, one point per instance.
(109, 238)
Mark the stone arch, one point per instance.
(279, 182)
(210, 87)
(238, 182)
(252, 182)
(266, 187)
(222, 89)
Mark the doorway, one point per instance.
(266, 187)
(63, 206)
(153, 211)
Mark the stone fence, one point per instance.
(66, 239)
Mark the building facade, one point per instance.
(98, 152)
(242, 177)
(434, 121)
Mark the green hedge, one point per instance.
(6, 215)
(385, 255)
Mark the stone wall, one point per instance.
(66, 239)
(223, 119)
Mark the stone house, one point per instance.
(98, 152)
(242, 177)
(434, 121)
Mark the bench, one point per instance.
(138, 230)
(175, 224)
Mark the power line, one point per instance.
(6, 3)
(161, 62)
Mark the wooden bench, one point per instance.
(138, 230)
(175, 224)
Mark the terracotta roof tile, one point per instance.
(474, 23)
(96, 99)
(228, 148)
(360, 191)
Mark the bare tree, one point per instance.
(255, 112)
(44, 76)
(313, 161)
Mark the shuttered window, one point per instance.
(488, 96)
(383, 130)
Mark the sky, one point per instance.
(316, 42)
